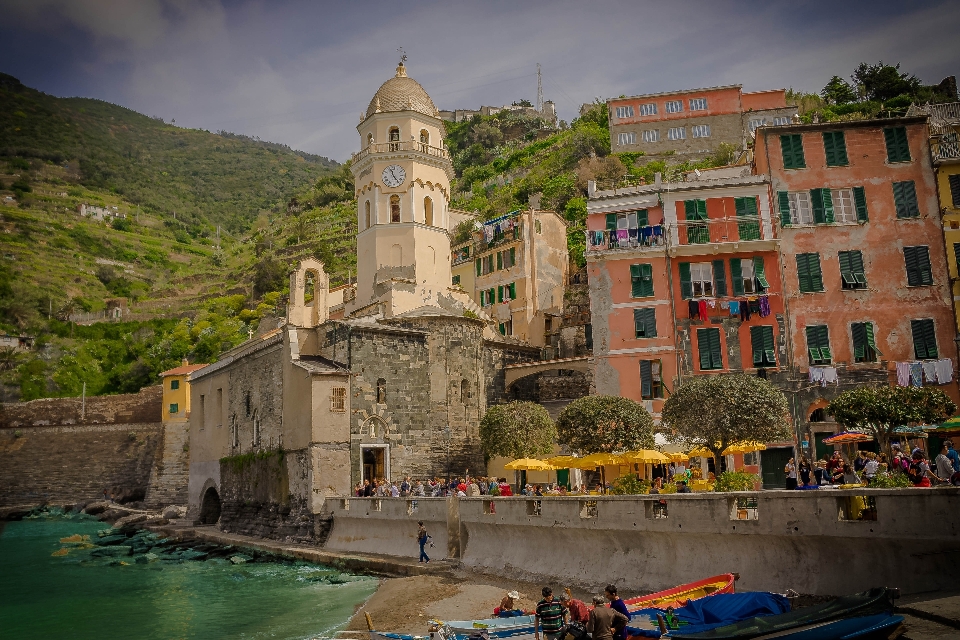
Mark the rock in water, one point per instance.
(111, 552)
(129, 520)
(240, 559)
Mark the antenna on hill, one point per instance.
(539, 90)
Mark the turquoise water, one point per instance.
(76, 596)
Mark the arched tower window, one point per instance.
(369, 139)
(464, 391)
(394, 134)
(394, 208)
(366, 207)
(428, 211)
(424, 136)
(381, 391)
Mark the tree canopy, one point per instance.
(838, 91)
(517, 430)
(595, 424)
(718, 411)
(883, 81)
(880, 410)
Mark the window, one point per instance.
(696, 211)
(700, 130)
(366, 210)
(818, 344)
(698, 104)
(246, 402)
(780, 121)
(506, 328)
(506, 258)
(627, 138)
(651, 384)
(761, 342)
(954, 180)
(708, 343)
(381, 391)
(792, 148)
(676, 133)
(794, 207)
(749, 276)
(822, 202)
(674, 106)
(506, 292)
(844, 206)
(747, 207)
(852, 274)
(628, 220)
(455, 280)
(394, 208)
(917, 261)
(174, 385)
(756, 123)
(701, 279)
(651, 135)
(808, 272)
(369, 139)
(174, 407)
(645, 322)
(464, 391)
(588, 336)
(625, 112)
(641, 280)
(424, 136)
(648, 109)
(338, 399)
(864, 345)
(897, 148)
(905, 198)
(428, 211)
(924, 339)
(394, 134)
(835, 147)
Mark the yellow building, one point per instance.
(176, 392)
(461, 267)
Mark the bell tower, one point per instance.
(402, 177)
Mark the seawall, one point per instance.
(798, 540)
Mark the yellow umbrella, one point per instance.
(678, 457)
(597, 460)
(563, 462)
(529, 464)
(701, 452)
(744, 447)
(646, 456)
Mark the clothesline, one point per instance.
(745, 307)
(915, 372)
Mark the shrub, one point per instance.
(629, 485)
(735, 481)
(890, 480)
(669, 487)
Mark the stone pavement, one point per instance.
(931, 616)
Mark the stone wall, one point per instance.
(144, 406)
(170, 475)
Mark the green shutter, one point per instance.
(856, 266)
(822, 203)
(503, 329)
(836, 149)
(739, 204)
(500, 293)
(956, 255)
(818, 344)
(809, 275)
(513, 256)
(703, 346)
(646, 379)
(686, 285)
(499, 260)
(513, 290)
(816, 275)
(846, 272)
(859, 331)
(690, 210)
(642, 218)
(898, 149)
(749, 230)
(783, 198)
(768, 351)
(923, 264)
(719, 279)
(792, 148)
(871, 341)
(924, 339)
(708, 344)
(716, 357)
(761, 342)
(756, 345)
(917, 261)
(736, 272)
(478, 267)
(611, 222)
(759, 273)
(646, 277)
(645, 323)
(860, 201)
(827, 206)
(702, 209)
(905, 199)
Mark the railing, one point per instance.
(407, 145)
(683, 232)
(945, 147)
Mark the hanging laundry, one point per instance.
(830, 376)
(734, 308)
(764, 306)
(930, 371)
(903, 374)
(944, 371)
(916, 374)
(703, 309)
(724, 304)
(712, 304)
(745, 310)
(816, 375)
(754, 306)
(694, 309)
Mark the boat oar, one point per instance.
(366, 614)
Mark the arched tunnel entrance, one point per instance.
(210, 507)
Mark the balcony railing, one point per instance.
(407, 145)
(945, 147)
(683, 233)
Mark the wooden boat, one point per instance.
(517, 627)
(678, 596)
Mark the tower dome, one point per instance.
(401, 93)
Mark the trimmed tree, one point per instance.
(726, 409)
(517, 430)
(880, 410)
(595, 424)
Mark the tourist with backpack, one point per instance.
(422, 538)
(919, 471)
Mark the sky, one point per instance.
(301, 72)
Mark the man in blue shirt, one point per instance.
(953, 455)
(617, 604)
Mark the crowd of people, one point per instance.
(468, 487)
(866, 466)
(556, 617)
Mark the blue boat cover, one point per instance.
(713, 611)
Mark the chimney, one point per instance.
(185, 362)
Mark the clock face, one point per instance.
(394, 175)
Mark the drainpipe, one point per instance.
(670, 293)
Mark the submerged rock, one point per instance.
(240, 559)
(111, 552)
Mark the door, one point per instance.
(772, 462)
(824, 451)
(563, 478)
(374, 466)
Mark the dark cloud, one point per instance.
(301, 72)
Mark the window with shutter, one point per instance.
(708, 343)
(822, 206)
(860, 203)
(864, 344)
(954, 180)
(760, 274)
(924, 339)
(499, 260)
(513, 290)
(905, 199)
(747, 207)
(478, 267)
(686, 284)
(695, 211)
(719, 279)
(611, 222)
(800, 209)
(642, 218)
(500, 293)
(783, 201)
(852, 275)
(792, 148)
(641, 280)
(808, 272)
(645, 323)
(818, 344)
(651, 384)
(836, 148)
(736, 273)
(761, 343)
(898, 150)
(917, 261)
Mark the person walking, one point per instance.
(953, 455)
(422, 537)
(550, 614)
(791, 470)
(804, 472)
(617, 604)
(606, 623)
(944, 465)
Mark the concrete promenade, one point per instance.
(808, 541)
